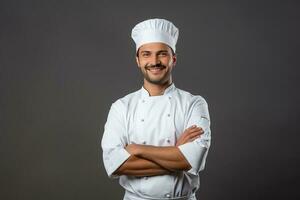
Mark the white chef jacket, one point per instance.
(157, 120)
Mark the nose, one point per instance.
(155, 60)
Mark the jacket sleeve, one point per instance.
(196, 151)
(114, 139)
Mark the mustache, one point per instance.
(158, 65)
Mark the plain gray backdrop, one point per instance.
(62, 64)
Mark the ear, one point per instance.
(174, 59)
(137, 61)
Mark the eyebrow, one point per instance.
(160, 51)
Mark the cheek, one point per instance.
(169, 62)
(143, 64)
(139, 62)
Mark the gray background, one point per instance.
(62, 64)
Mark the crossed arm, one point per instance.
(147, 160)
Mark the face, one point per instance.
(156, 62)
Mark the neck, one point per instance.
(156, 89)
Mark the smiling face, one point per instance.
(156, 62)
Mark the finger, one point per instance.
(194, 131)
(194, 134)
(194, 138)
(194, 128)
(191, 132)
(191, 127)
(188, 137)
(187, 132)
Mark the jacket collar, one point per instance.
(168, 91)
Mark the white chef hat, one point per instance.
(155, 30)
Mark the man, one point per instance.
(157, 138)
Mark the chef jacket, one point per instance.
(157, 120)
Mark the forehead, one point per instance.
(155, 46)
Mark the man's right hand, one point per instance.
(189, 135)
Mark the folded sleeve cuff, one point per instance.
(195, 154)
(113, 159)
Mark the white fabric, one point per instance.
(131, 196)
(157, 120)
(155, 30)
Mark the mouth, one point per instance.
(156, 70)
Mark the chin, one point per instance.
(157, 81)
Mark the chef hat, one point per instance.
(155, 30)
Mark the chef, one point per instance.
(156, 139)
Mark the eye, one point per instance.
(145, 54)
(163, 54)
